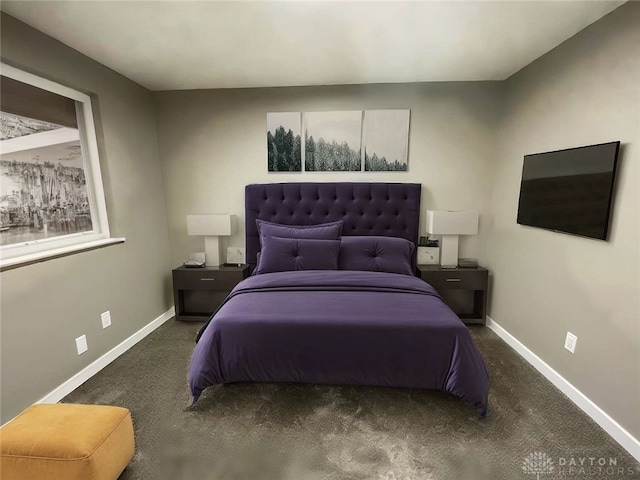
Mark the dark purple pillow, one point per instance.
(286, 254)
(376, 254)
(323, 231)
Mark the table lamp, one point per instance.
(449, 225)
(212, 227)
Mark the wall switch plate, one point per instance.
(106, 319)
(570, 342)
(235, 255)
(81, 344)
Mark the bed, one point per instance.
(334, 299)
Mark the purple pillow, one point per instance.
(376, 254)
(323, 231)
(286, 254)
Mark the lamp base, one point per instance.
(449, 251)
(212, 253)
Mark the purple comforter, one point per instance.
(339, 327)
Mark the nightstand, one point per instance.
(198, 292)
(463, 289)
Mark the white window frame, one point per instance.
(37, 250)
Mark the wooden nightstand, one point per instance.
(463, 289)
(198, 292)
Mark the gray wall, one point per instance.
(585, 91)
(45, 306)
(213, 143)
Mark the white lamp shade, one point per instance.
(446, 222)
(213, 225)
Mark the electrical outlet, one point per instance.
(570, 342)
(106, 319)
(81, 344)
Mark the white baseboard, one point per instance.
(613, 428)
(90, 370)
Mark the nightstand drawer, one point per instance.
(200, 279)
(466, 280)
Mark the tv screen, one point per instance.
(569, 190)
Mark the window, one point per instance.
(51, 195)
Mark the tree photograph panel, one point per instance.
(333, 141)
(386, 140)
(283, 142)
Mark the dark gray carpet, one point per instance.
(313, 432)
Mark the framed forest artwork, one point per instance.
(338, 141)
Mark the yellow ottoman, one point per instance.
(67, 442)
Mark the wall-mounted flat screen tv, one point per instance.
(569, 190)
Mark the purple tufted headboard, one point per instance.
(388, 209)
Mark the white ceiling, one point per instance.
(171, 45)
